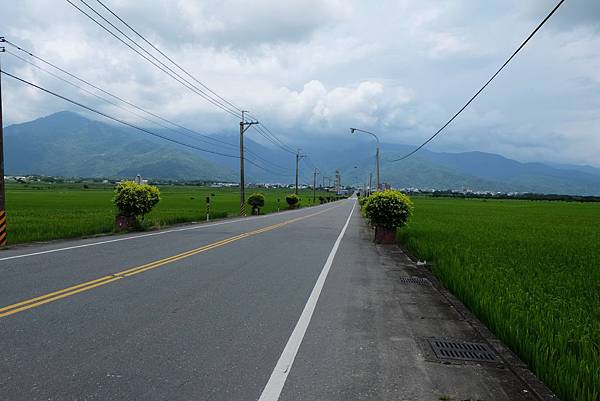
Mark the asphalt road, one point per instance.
(116, 319)
(296, 306)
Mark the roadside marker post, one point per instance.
(278, 204)
(207, 208)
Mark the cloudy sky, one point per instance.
(312, 68)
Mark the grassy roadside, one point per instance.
(42, 212)
(530, 270)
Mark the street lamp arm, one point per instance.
(366, 132)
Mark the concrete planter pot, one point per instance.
(384, 235)
(125, 222)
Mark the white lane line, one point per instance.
(279, 375)
(195, 227)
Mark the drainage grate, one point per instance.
(463, 351)
(414, 280)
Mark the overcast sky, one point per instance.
(313, 68)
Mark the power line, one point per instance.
(483, 87)
(265, 132)
(175, 76)
(167, 57)
(128, 123)
(113, 118)
(202, 93)
(196, 133)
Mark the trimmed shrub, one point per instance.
(362, 201)
(133, 200)
(256, 200)
(388, 209)
(292, 200)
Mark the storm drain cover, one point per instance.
(463, 351)
(414, 280)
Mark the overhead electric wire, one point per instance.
(172, 75)
(167, 57)
(201, 92)
(113, 118)
(102, 98)
(265, 132)
(277, 140)
(121, 121)
(111, 94)
(196, 133)
(483, 87)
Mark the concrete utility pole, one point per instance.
(315, 184)
(2, 188)
(243, 127)
(352, 130)
(370, 179)
(298, 157)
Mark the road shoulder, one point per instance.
(372, 333)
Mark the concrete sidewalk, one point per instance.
(373, 333)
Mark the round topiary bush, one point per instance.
(292, 200)
(386, 211)
(133, 200)
(256, 200)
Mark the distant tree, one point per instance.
(256, 200)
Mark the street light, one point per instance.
(352, 130)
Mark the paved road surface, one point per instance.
(220, 312)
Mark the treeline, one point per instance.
(521, 196)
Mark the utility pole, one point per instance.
(298, 157)
(2, 188)
(243, 127)
(378, 188)
(315, 184)
(370, 179)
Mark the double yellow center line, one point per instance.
(88, 285)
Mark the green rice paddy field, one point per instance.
(530, 270)
(41, 212)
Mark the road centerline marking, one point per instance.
(88, 285)
(274, 386)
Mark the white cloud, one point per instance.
(400, 68)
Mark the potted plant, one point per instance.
(387, 211)
(133, 200)
(292, 200)
(256, 200)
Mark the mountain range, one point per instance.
(70, 145)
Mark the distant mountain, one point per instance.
(467, 170)
(67, 144)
